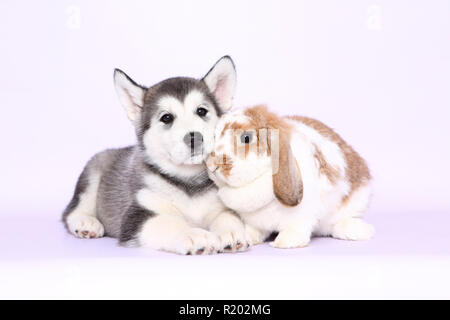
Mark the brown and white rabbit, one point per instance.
(292, 175)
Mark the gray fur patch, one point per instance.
(118, 187)
(193, 187)
(132, 224)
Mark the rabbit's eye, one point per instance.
(246, 137)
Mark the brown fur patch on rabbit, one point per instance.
(287, 181)
(357, 171)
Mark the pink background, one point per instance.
(378, 71)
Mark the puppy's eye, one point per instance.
(246, 137)
(167, 118)
(201, 111)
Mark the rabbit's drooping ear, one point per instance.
(221, 81)
(287, 179)
(131, 95)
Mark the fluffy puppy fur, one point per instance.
(157, 193)
(291, 175)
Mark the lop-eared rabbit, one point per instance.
(292, 175)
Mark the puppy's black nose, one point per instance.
(193, 140)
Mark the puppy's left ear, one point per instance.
(287, 180)
(221, 81)
(131, 95)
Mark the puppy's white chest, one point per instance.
(163, 198)
(197, 209)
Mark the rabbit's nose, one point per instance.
(223, 160)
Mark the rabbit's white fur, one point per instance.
(321, 187)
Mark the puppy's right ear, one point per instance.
(131, 95)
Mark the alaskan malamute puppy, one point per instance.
(157, 193)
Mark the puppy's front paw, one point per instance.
(253, 235)
(231, 232)
(86, 227)
(198, 241)
(291, 239)
(234, 240)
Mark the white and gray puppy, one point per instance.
(157, 193)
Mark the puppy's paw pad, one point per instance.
(85, 227)
(353, 229)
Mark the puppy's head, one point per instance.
(251, 142)
(175, 119)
